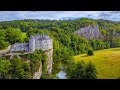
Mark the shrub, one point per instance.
(81, 70)
(90, 52)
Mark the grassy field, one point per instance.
(24, 35)
(107, 62)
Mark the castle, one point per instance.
(43, 42)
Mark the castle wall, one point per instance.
(48, 44)
(38, 44)
(32, 45)
(44, 44)
(20, 47)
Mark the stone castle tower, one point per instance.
(32, 43)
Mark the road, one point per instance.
(5, 50)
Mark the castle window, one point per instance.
(45, 41)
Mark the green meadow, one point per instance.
(107, 62)
(24, 35)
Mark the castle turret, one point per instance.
(32, 43)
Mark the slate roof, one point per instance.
(32, 37)
(42, 37)
(20, 46)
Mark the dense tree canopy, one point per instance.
(13, 35)
(81, 70)
(65, 42)
(62, 31)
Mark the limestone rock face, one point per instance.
(116, 34)
(37, 75)
(50, 60)
(89, 32)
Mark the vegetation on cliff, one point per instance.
(22, 68)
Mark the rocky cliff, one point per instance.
(89, 32)
(38, 74)
(116, 34)
(50, 60)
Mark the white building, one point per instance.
(43, 42)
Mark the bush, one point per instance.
(81, 70)
(91, 72)
(90, 52)
(3, 44)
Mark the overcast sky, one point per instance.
(15, 15)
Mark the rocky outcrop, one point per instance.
(49, 54)
(37, 75)
(115, 34)
(89, 32)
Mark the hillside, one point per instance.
(107, 62)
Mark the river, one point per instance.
(62, 73)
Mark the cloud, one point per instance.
(15, 15)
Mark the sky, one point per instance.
(18, 15)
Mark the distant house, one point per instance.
(43, 42)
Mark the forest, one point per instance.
(66, 44)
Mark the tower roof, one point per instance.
(40, 36)
(32, 37)
(37, 36)
(46, 36)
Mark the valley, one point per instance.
(72, 39)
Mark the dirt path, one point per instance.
(5, 50)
